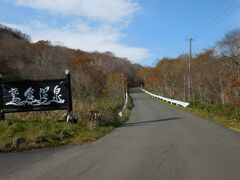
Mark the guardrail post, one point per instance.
(2, 115)
(69, 91)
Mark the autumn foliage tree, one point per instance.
(115, 84)
(215, 74)
(93, 74)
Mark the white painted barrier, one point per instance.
(172, 101)
(125, 105)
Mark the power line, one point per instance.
(210, 15)
(229, 10)
(214, 17)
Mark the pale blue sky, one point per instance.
(137, 29)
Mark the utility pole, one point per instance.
(184, 86)
(189, 67)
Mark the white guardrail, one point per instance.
(125, 105)
(172, 101)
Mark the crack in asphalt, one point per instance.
(164, 159)
(87, 169)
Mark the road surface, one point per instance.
(158, 142)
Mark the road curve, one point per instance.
(158, 142)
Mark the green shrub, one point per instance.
(227, 110)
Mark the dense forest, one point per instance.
(215, 74)
(98, 79)
(93, 73)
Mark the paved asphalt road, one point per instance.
(158, 142)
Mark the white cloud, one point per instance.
(99, 25)
(80, 35)
(101, 10)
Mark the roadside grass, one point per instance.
(25, 131)
(227, 115)
(18, 134)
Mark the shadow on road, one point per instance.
(135, 90)
(148, 122)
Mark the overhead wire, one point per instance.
(218, 19)
(209, 16)
(208, 19)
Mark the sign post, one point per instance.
(69, 91)
(2, 115)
